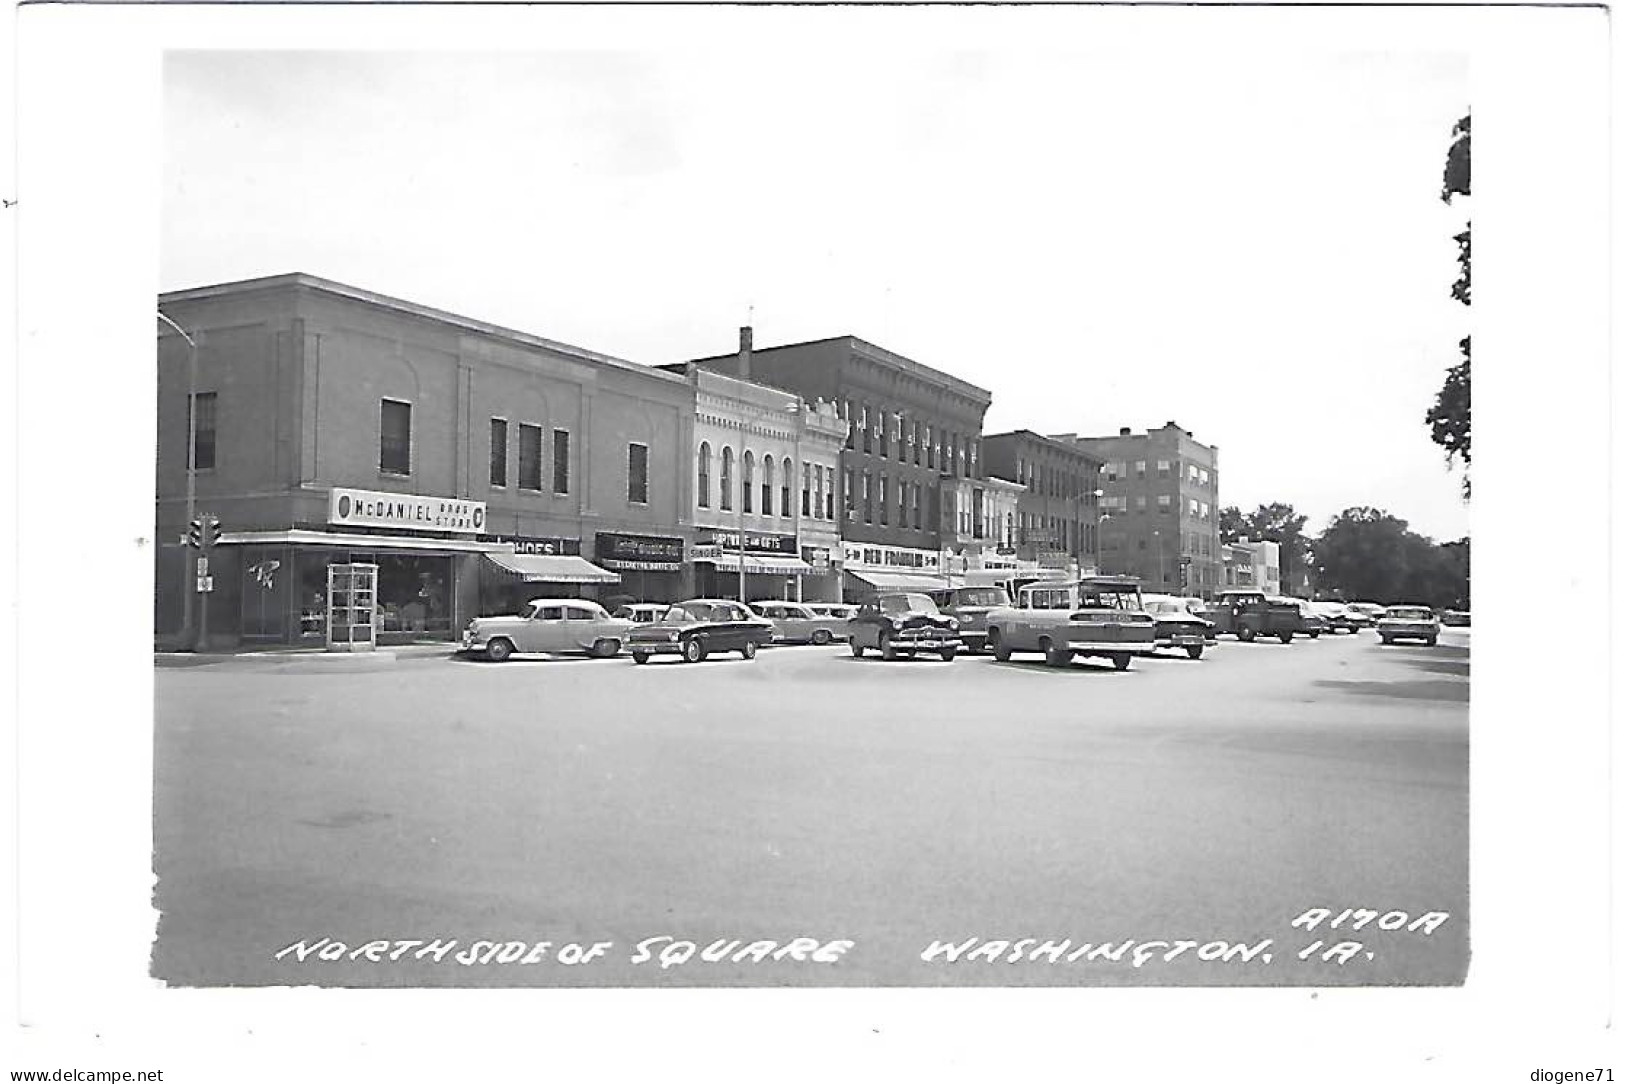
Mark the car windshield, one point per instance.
(691, 611)
(1163, 608)
(906, 604)
(1410, 613)
(979, 596)
(1098, 599)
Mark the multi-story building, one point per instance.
(473, 465)
(1057, 514)
(914, 435)
(1238, 566)
(1261, 562)
(765, 513)
(1160, 509)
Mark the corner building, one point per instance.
(911, 467)
(475, 465)
(1160, 511)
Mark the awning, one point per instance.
(758, 563)
(899, 581)
(551, 568)
(362, 542)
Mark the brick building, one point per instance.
(1161, 508)
(1057, 513)
(473, 464)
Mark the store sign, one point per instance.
(754, 543)
(859, 556)
(818, 557)
(546, 547)
(638, 552)
(370, 508)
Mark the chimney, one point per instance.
(744, 353)
(1125, 431)
(691, 373)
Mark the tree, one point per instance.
(1450, 419)
(1231, 524)
(1276, 522)
(1366, 553)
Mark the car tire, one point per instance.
(499, 650)
(1245, 634)
(887, 652)
(693, 650)
(857, 648)
(1055, 656)
(1194, 652)
(1000, 652)
(1314, 636)
(948, 654)
(1121, 661)
(749, 650)
(640, 657)
(1286, 637)
(605, 649)
(821, 637)
(1386, 639)
(1431, 640)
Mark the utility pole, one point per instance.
(187, 642)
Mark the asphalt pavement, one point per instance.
(808, 818)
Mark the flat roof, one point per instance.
(301, 280)
(878, 353)
(1060, 445)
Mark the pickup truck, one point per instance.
(1099, 617)
(1248, 614)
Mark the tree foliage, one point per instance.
(1450, 419)
(1368, 554)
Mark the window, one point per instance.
(561, 461)
(1164, 502)
(1164, 468)
(394, 437)
(1111, 471)
(727, 496)
(705, 475)
(784, 487)
(1191, 472)
(1139, 503)
(827, 483)
(203, 429)
(747, 482)
(930, 449)
(863, 423)
(851, 430)
(1191, 507)
(885, 433)
(1202, 476)
(499, 452)
(885, 515)
(1204, 510)
(914, 442)
(916, 500)
(806, 489)
(637, 473)
(848, 494)
(767, 485)
(1139, 468)
(868, 507)
(530, 456)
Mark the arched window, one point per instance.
(727, 479)
(748, 478)
(767, 485)
(705, 474)
(806, 490)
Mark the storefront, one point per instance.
(822, 582)
(651, 566)
(771, 565)
(538, 567)
(867, 568)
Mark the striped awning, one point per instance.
(757, 564)
(899, 581)
(551, 568)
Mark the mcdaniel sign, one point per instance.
(370, 508)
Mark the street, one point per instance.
(868, 808)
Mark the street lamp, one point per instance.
(1100, 522)
(1158, 536)
(191, 471)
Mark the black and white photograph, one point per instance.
(865, 500)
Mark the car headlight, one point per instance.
(953, 622)
(674, 636)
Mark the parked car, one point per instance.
(550, 625)
(698, 628)
(1408, 623)
(1201, 609)
(1175, 626)
(1248, 613)
(1310, 623)
(1456, 618)
(641, 613)
(1099, 617)
(1339, 618)
(842, 610)
(970, 607)
(903, 623)
(1371, 609)
(794, 623)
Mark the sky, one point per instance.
(1253, 247)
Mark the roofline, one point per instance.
(301, 280)
(1062, 445)
(878, 353)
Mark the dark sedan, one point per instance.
(902, 625)
(700, 627)
(1176, 626)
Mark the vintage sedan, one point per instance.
(795, 623)
(698, 628)
(1372, 610)
(1408, 623)
(970, 606)
(1176, 627)
(1339, 618)
(1456, 618)
(1099, 617)
(548, 626)
(902, 624)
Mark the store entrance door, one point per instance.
(352, 607)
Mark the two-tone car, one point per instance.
(796, 623)
(699, 628)
(1408, 623)
(555, 626)
(1176, 628)
(970, 606)
(1099, 617)
(903, 624)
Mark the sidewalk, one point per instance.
(275, 656)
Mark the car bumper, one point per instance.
(1181, 640)
(1110, 647)
(1409, 634)
(655, 647)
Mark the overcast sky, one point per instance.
(1253, 248)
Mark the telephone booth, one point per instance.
(352, 607)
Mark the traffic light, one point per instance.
(194, 534)
(211, 530)
(202, 532)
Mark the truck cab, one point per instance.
(1247, 615)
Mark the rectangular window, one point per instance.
(1191, 472)
(1164, 468)
(806, 489)
(930, 449)
(1139, 503)
(885, 433)
(828, 489)
(848, 493)
(561, 461)
(868, 503)
(1164, 502)
(784, 491)
(851, 430)
(637, 473)
(1203, 511)
(1139, 468)
(499, 452)
(1191, 507)
(530, 457)
(916, 500)
(1201, 476)
(885, 514)
(395, 437)
(863, 422)
(203, 429)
